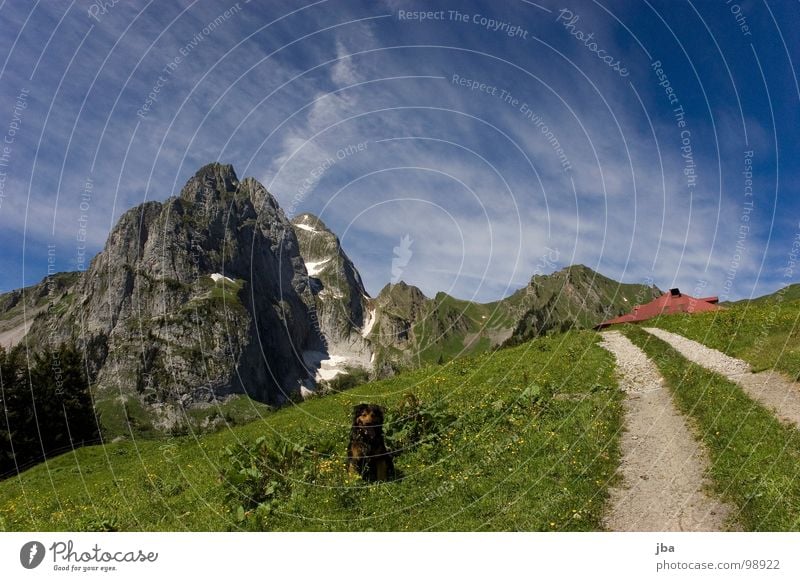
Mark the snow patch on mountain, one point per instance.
(216, 277)
(306, 227)
(314, 268)
(327, 366)
(369, 323)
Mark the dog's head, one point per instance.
(368, 417)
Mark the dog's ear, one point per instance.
(378, 411)
(357, 411)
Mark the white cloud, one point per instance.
(486, 193)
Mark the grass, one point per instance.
(442, 332)
(238, 410)
(133, 419)
(222, 294)
(789, 292)
(518, 439)
(755, 460)
(117, 419)
(764, 332)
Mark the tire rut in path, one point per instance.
(771, 389)
(663, 466)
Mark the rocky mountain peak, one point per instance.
(191, 301)
(341, 301)
(262, 200)
(310, 223)
(402, 293)
(210, 183)
(215, 293)
(321, 249)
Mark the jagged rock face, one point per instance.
(341, 304)
(159, 328)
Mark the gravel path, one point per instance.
(702, 355)
(771, 389)
(663, 466)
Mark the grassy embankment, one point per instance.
(518, 439)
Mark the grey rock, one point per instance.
(340, 308)
(160, 330)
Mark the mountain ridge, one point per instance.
(163, 334)
(215, 293)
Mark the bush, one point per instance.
(535, 395)
(255, 475)
(412, 423)
(354, 376)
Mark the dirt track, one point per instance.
(663, 465)
(770, 388)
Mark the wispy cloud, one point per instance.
(361, 118)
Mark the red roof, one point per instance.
(667, 304)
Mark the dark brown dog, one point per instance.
(367, 454)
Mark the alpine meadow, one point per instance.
(434, 270)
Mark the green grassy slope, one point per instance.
(755, 460)
(577, 297)
(445, 327)
(434, 330)
(788, 293)
(765, 333)
(519, 439)
(452, 327)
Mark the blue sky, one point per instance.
(502, 139)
